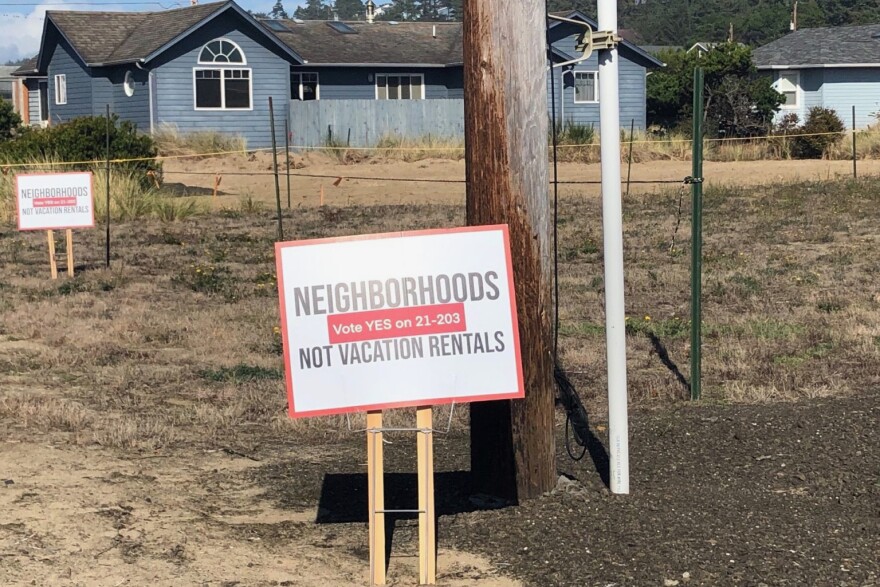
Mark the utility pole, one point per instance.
(513, 449)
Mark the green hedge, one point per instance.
(84, 140)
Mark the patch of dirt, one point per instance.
(250, 175)
(783, 494)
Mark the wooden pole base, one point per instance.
(69, 236)
(427, 534)
(53, 267)
(376, 498)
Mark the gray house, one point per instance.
(213, 67)
(836, 67)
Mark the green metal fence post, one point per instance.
(697, 237)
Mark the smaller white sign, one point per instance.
(54, 201)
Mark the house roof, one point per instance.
(27, 69)
(405, 43)
(117, 37)
(106, 38)
(846, 46)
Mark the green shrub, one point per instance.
(9, 120)
(825, 126)
(83, 140)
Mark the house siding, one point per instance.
(79, 84)
(108, 87)
(359, 83)
(270, 77)
(631, 85)
(844, 88)
(839, 89)
(33, 88)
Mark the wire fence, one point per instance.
(426, 148)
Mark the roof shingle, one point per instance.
(381, 42)
(847, 45)
(111, 37)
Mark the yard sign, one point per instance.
(399, 319)
(53, 201)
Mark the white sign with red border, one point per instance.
(399, 319)
(55, 201)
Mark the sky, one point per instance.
(21, 21)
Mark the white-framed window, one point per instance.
(789, 85)
(61, 89)
(400, 86)
(304, 86)
(222, 51)
(586, 87)
(222, 88)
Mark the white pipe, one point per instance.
(612, 227)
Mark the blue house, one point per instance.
(210, 66)
(214, 67)
(834, 67)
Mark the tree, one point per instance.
(738, 101)
(350, 9)
(313, 10)
(10, 121)
(278, 11)
(402, 10)
(513, 449)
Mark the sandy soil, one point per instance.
(252, 175)
(92, 517)
(785, 494)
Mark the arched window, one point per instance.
(220, 82)
(222, 51)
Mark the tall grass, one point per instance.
(397, 148)
(131, 198)
(170, 141)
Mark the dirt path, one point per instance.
(89, 517)
(199, 176)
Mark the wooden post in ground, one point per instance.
(69, 244)
(53, 267)
(427, 518)
(376, 498)
(513, 450)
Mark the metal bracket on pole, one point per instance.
(588, 40)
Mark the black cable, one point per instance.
(555, 135)
(575, 415)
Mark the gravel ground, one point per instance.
(780, 494)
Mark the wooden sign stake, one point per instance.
(50, 234)
(69, 252)
(427, 535)
(376, 493)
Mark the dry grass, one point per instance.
(131, 197)
(578, 144)
(396, 148)
(177, 343)
(171, 142)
